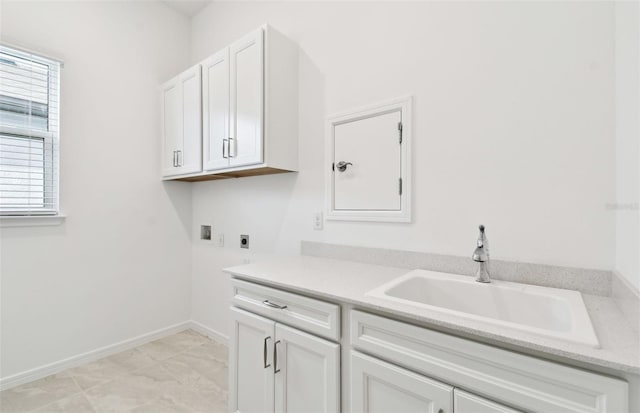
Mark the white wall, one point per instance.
(513, 127)
(120, 265)
(628, 141)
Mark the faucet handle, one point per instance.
(480, 255)
(482, 239)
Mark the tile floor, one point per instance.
(185, 372)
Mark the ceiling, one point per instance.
(188, 8)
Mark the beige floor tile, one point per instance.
(132, 390)
(186, 339)
(160, 349)
(216, 400)
(170, 346)
(196, 399)
(73, 404)
(110, 368)
(38, 393)
(188, 367)
(131, 360)
(161, 406)
(212, 350)
(181, 370)
(185, 372)
(6, 405)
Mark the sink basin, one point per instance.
(549, 312)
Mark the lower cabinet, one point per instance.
(251, 374)
(276, 368)
(525, 382)
(381, 387)
(284, 357)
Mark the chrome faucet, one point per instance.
(481, 256)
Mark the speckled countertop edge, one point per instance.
(347, 282)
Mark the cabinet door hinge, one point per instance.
(400, 132)
(400, 186)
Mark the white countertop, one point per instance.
(348, 282)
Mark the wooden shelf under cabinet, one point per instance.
(236, 174)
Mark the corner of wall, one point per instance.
(627, 130)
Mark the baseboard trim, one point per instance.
(74, 361)
(211, 333)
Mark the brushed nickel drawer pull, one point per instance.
(275, 357)
(272, 305)
(264, 354)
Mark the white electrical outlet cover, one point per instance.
(317, 221)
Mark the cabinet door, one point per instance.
(251, 363)
(171, 126)
(189, 157)
(470, 403)
(247, 79)
(307, 372)
(215, 110)
(370, 148)
(181, 124)
(380, 387)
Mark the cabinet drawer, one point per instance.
(464, 402)
(523, 381)
(314, 316)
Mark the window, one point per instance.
(29, 133)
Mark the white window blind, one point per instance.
(29, 133)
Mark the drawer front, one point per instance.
(464, 402)
(308, 314)
(522, 381)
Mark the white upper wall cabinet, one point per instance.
(182, 123)
(247, 89)
(215, 109)
(368, 175)
(249, 110)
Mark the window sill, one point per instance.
(31, 221)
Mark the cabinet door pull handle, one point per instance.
(272, 305)
(275, 357)
(178, 160)
(264, 354)
(174, 159)
(234, 152)
(224, 148)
